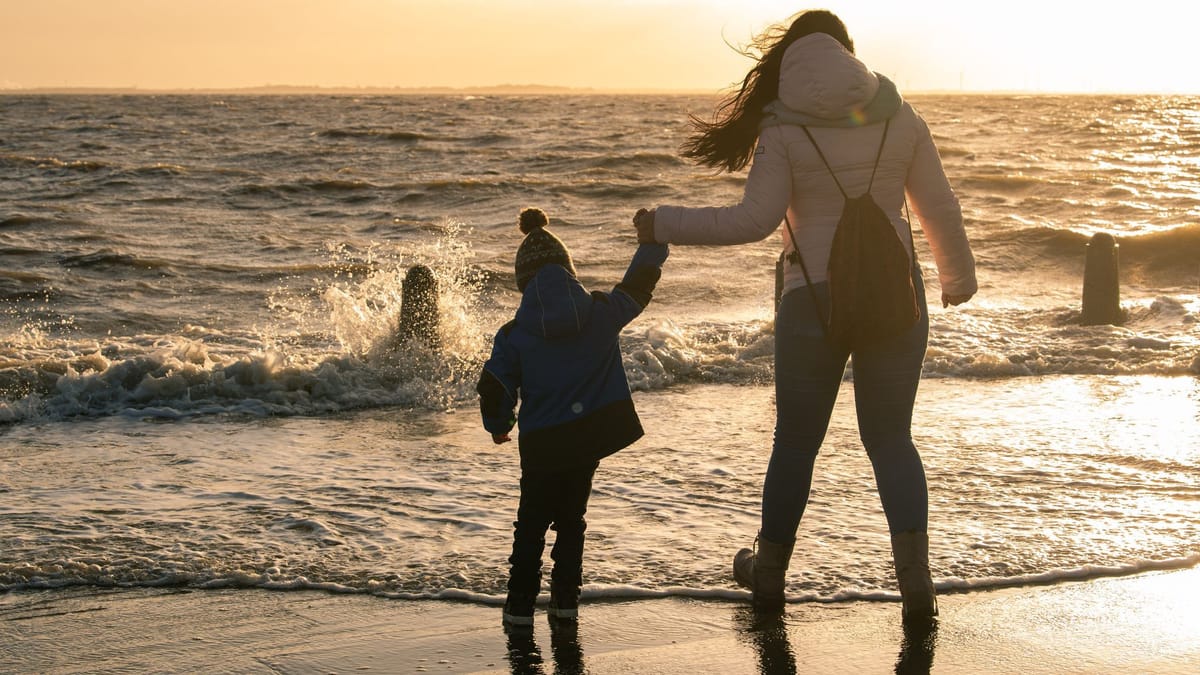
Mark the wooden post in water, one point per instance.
(1101, 283)
(419, 316)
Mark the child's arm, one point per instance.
(632, 295)
(644, 272)
(498, 385)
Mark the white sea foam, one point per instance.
(178, 377)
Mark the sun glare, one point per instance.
(612, 44)
(1158, 416)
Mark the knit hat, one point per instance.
(540, 247)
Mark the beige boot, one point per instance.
(910, 551)
(764, 573)
(743, 567)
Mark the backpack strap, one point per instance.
(912, 238)
(878, 154)
(795, 256)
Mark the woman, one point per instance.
(808, 81)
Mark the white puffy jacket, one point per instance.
(820, 79)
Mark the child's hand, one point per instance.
(499, 439)
(643, 220)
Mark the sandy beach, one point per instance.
(1140, 624)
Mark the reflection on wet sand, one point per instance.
(916, 650)
(768, 635)
(525, 657)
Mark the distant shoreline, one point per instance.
(286, 90)
(496, 90)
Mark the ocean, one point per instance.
(200, 385)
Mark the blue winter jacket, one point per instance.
(561, 358)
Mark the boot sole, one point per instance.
(769, 607)
(516, 620)
(921, 613)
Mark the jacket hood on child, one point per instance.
(560, 360)
(822, 84)
(554, 304)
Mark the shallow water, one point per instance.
(1087, 481)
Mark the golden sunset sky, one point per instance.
(1046, 45)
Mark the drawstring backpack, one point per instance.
(870, 275)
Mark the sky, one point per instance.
(685, 45)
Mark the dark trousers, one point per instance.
(808, 375)
(557, 498)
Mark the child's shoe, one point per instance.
(564, 601)
(518, 609)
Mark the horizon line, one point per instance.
(508, 89)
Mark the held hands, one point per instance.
(955, 300)
(643, 220)
(499, 439)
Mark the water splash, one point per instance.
(324, 348)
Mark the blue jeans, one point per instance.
(808, 373)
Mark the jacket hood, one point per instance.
(823, 84)
(554, 304)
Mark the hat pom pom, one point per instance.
(532, 219)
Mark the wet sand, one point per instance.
(1139, 624)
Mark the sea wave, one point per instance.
(1168, 256)
(52, 163)
(317, 186)
(114, 259)
(20, 276)
(19, 221)
(1175, 248)
(640, 160)
(488, 138)
(1006, 184)
(389, 135)
(186, 572)
(186, 378)
(202, 372)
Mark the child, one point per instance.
(561, 356)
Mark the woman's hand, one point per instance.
(955, 300)
(500, 438)
(643, 220)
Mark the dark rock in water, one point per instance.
(419, 307)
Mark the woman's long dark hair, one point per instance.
(727, 143)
